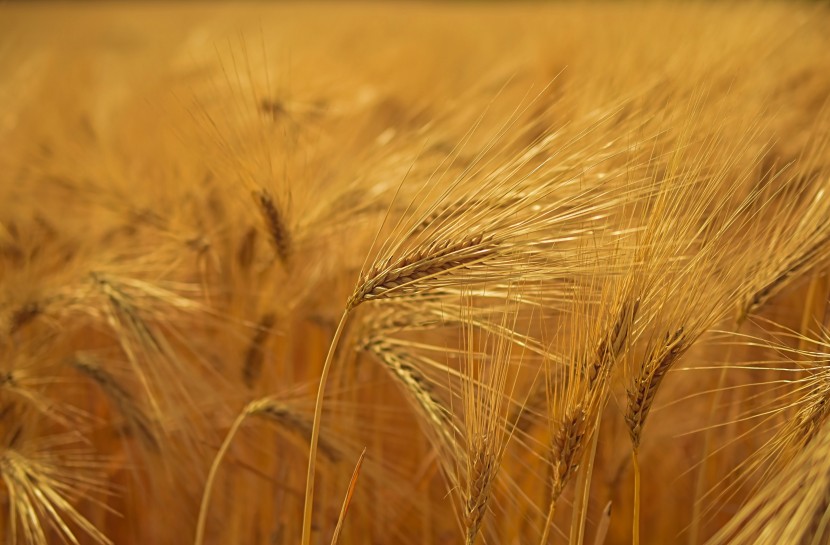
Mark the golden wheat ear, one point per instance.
(793, 243)
(45, 480)
(141, 315)
(594, 335)
(275, 224)
(486, 387)
(405, 366)
(121, 398)
(794, 407)
(293, 420)
(695, 261)
(32, 383)
(511, 222)
(487, 244)
(793, 507)
(254, 353)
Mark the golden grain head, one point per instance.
(513, 262)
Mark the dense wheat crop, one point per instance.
(414, 273)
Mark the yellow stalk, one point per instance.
(315, 433)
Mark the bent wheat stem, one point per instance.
(315, 432)
(200, 524)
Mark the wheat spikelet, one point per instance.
(278, 232)
(615, 341)
(539, 227)
(434, 261)
(479, 478)
(641, 398)
(806, 407)
(812, 410)
(23, 315)
(121, 397)
(692, 297)
(485, 388)
(292, 420)
(400, 318)
(252, 364)
(247, 249)
(566, 448)
(152, 357)
(599, 334)
(792, 507)
(279, 411)
(23, 380)
(403, 368)
(42, 488)
(798, 242)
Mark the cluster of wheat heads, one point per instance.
(520, 274)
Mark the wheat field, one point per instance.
(427, 273)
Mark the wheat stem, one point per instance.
(694, 531)
(315, 432)
(580, 515)
(200, 525)
(635, 535)
(548, 522)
